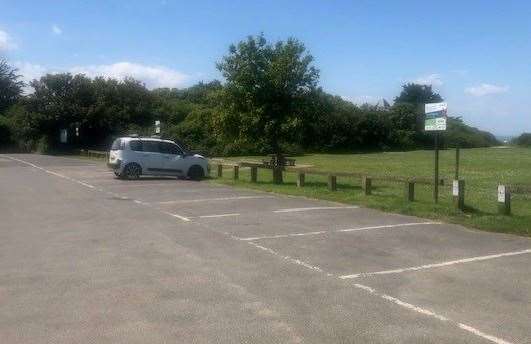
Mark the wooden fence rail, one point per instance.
(308, 171)
(94, 153)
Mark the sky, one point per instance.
(476, 54)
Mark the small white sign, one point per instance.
(435, 107)
(501, 193)
(157, 127)
(63, 136)
(455, 188)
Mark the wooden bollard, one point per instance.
(410, 191)
(254, 174)
(458, 193)
(300, 179)
(332, 185)
(366, 185)
(236, 172)
(504, 200)
(220, 170)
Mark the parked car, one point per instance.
(131, 157)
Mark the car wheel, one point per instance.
(132, 171)
(196, 172)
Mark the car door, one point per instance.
(174, 158)
(153, 159)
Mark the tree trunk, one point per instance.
(277, 175)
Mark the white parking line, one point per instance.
(180, 217)
(294, 210)
(279, 236)
(388, 226)
(183, 218)
(214, 199)
(288, 258)
(218, 215)
(437, 265)
(481, 334)
(52, 172)
(389, 298)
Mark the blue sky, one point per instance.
(477, 54)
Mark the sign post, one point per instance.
(436, 122)
(504, 200)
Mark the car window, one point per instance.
(169, 148)
(151, 146)
(117, 145)
(136, 145)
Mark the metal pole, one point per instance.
(456, 163)
(436, 174)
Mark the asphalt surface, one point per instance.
(87, 258)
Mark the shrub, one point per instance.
(523, 140)
(43, 145)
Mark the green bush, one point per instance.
(6, 138)
(43, 145)
(523, 140)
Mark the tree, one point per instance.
(523, 140)
(417, 94)
(266, 89)
(10, 86)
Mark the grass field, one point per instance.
(482, 169)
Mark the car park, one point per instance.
(133, 156)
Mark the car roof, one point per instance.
(129, 138)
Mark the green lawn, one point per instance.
(481, 168)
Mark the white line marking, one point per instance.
(288, 258)
(279, 236)
(293, 210)
(52, 172)
(481, 334)
(214, 199)
(413, 307)
(437, 265)
(282, 236)
(93, 187)
(180, 217)
(219, 215)
(388, 226)
(389, 298)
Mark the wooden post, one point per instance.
(220, 170)
(458, 192)
(410, 191)
(236, 172)
(332, 185)
(277, 175)
(254, 174)
(366, 185)
(300, 179)
(504, 200)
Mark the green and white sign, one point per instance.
(435, 116)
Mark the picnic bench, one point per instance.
(274, 161)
